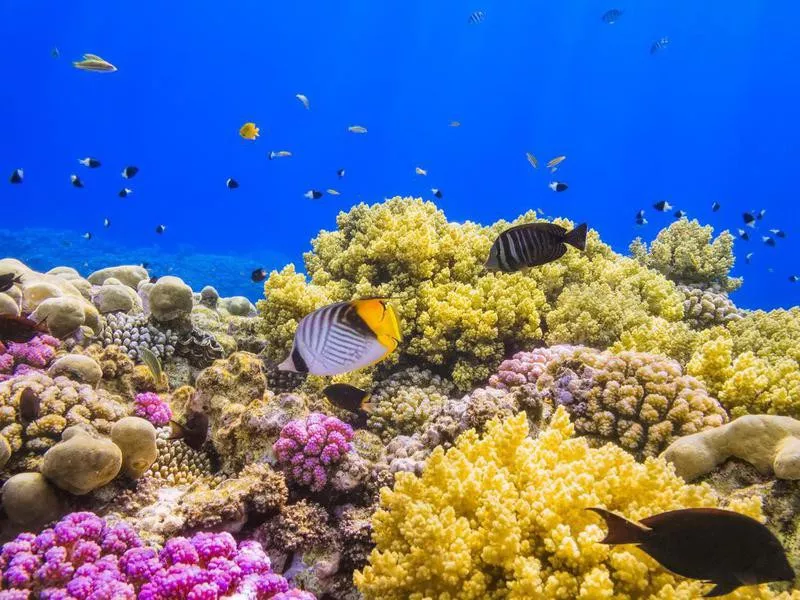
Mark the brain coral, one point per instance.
(687, 252)
(638, 401)
(456, 318)
(504, 517)
(63, 403)
(753, 364)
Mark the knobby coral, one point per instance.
(84, 557)
(150, 406)
(687, 252)
(37, 353)
(504, 517)
(309, 447)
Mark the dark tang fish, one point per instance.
(7, 281)
(29, 405)
(348, 397)
(722, 547)
(19, 329)
(532, 245)
(194, 432)
(611, 16)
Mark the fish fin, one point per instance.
(577, 237)
(366, 406)
(721, 588)
(176, 430)
(620, 529)
(381, 319)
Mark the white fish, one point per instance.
(279, 154)
(357, 129)
(333, 192)
(302, 99)
(420, 171)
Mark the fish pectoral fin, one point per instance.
(721, 588)
(92, 57)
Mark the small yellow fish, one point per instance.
(357, 129)
(333, 192)
(249, 131)
(553, 164)
(279, 154)
(302, 99)
(532, 159)
(92, 62)
(420, 171)
(455, 124)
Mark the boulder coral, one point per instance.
(63, 403)
(504, 516)
(456, 317)
(768, 442)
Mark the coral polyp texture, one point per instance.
(457, 318)
(753, 364)
(83, 556)
(308, 448)
(150, 406)
(504, 516)
(37, 353)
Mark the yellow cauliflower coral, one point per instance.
(503, 517)
(753, 364)
(457, 318)
(687, 252)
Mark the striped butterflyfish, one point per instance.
(343, 337)
(532, 245)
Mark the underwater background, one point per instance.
(710, 117)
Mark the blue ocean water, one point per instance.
(711, 117)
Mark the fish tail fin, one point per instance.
(367, 407)
(620, 529)
(577, 237)
(722, 588)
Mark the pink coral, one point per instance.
(36, 353)
(83, 557)
(526, 367)
(309, 447)
(150, 406)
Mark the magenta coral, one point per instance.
(83, 557)
(150, 406)
(36, 353)
(309, 447)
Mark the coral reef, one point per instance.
(704, 308)
(36, 353)
(686, 252)
(504, 517)
(768, 442)
(308, 448)
(177, 464)
(199, 347)
(63, 403)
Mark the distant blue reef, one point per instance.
(43, 249)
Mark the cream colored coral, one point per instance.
(770, 443)
(503, 517)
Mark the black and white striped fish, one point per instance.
(532, 245)
(477, 16)
(659, 45)
(343, 337)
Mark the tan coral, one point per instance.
(770, 443)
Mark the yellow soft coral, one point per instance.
(753, 364)
(456, 317)
(503, 517)
(687, 252)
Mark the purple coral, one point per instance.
(150, 406)
(83, 557)
(309, 447)
(36, 353)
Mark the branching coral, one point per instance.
(63, 403)
(504, 517)
(639, 401)
(753, 364)
(150, 406)
(83, 556)
(177, 464)
(687, 252)
(456, 317)
(704, 308)
(36, 353)
(133, 332)
(309, 447)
